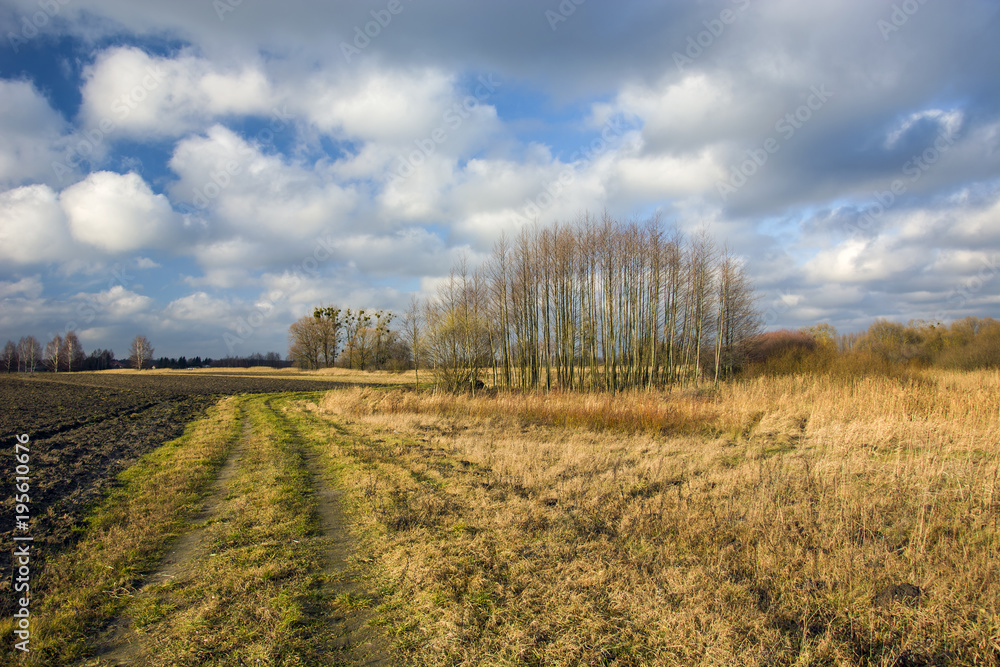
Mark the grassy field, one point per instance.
(789, 521)
(773, 521)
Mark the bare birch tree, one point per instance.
(140, 353)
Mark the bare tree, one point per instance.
(72, 351)
(356, 336)
(8, 359)
(413, 334)
(53, 353)
(602, 304)
(305, 342)
(458, 335)
(29, 354)
(328, 330)
(140, 353)
(382, 338)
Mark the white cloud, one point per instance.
(30, 288)
(136, 94)
(668, 176)
(117, 212)
(380, 105)
(198, 307)
(255, 195)
(116, 303)
(32, 226)
(30, 134)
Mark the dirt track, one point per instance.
(85, 428)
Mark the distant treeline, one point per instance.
(968, 344)
(64, 354)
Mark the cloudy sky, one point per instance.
(205, 171)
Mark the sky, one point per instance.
(204, 172)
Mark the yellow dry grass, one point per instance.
(775, 521)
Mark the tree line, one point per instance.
(970, 343)
(61, 354)
(65, 354)
(597, 305)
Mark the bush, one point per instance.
(785, 352)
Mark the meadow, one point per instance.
(791, 520)
(775, 521)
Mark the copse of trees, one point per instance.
(598, 305)
(62, 353)
(360, 339)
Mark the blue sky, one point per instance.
(204, 173)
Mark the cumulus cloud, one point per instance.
(117, 212)
(31, 134)
(381, 170)
(128, 92)
(198, 307)
(33, 227)
(254, 194)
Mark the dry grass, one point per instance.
(799, 520)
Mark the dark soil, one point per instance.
(86, 428)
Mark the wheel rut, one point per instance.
(343, 602)
(336, 607)
(121, 644)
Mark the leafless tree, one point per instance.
(413, 334)
(458, 338)
(53, 354)
(329, 323)
(72, 351)
(383, 337)
(140, 352)
(29, 354)
(305, 342)
(599, 304)
(9, 357)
